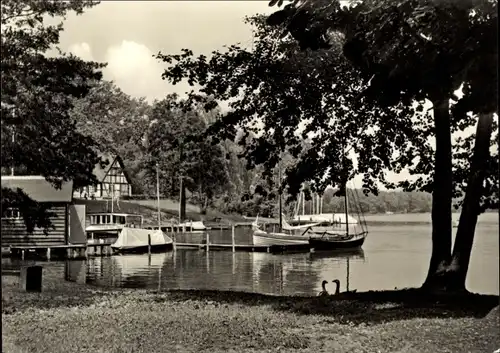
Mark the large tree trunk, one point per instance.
(471, 205)
(441, 195)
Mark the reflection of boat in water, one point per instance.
(139, 240)
(353, 254)
(133, 265)
(291, 273)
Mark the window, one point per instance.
(12, 213)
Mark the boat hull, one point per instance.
(268, 239)
(143, 249)
(332, 244)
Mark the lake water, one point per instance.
(395, 254)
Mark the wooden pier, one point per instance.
(83, 251)
(273, 249)
(71, 251)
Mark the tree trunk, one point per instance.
(182, 202)
(471, 205)
(204, 206)
(441, 195)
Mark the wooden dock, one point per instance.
(69, 251)
(83, 251)
(273, 249)
(49, 251)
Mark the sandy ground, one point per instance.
(67, 317)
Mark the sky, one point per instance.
(126, 35)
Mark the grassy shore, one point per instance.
(68, 317)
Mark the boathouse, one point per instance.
(113, 180)
(14, 232)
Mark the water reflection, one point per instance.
(297, 274)
(75, 271)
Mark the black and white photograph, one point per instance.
(299, 176)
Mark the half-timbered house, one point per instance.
(113, 181)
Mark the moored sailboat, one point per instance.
(349, 234)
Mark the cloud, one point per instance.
(132, 67)
(82, 50)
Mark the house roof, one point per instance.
(100, 173)
(39, 189)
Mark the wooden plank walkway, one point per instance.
(100, 249)
(44, 247)
(275, 249)
(243, 247)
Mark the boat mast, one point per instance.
(345, 194)
(158, 194)
(346, 213)
(279, 192)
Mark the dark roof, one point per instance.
(39, 189)
(100, 173)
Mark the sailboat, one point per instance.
(287, 235)
(348, 233)
(140, 240)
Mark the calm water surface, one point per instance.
(395, 254)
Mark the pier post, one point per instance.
(22, 254)
(174, 247)
(48, 254)
(208, 241)
(149, 244)
(232, 237)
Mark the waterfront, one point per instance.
(396, 254)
